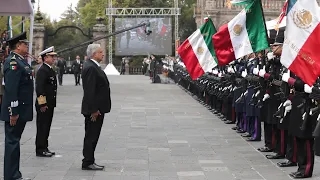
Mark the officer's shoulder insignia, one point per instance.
(13, 62)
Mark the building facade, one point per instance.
(220, 14)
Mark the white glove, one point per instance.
(245, 93)
(244, 73)
(270, 55)
(257, 94)
(287, 103)
(262, 71)
(219, 74)
(234, 88)
(303, 116)
(255, 71)
(307, 88)
(285, 77)
(287, 109)
(215, 72)
(265, 97)
(229, 69)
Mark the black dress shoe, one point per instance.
(276, 156)
(92, 167)
(299, 175)
(98, 165)
(286, 164)
(252, 139)
(265, 149)
(292, 173)
(43, 154)
(235, 128)
(229, 122)
(53, 153)
(246, 135)
(240, 131)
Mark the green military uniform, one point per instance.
(17, 100)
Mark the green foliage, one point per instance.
(136, 61)
(187, 24)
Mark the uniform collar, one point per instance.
(47, 65)
(18, 55)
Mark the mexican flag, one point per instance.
(197, 51)
(300, 52)
(243, 35)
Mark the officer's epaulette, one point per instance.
(13, 57)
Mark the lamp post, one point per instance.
(33, 2)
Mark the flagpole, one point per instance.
(22, 25)
(266, 30)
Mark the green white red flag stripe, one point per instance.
(197, 51)
(244, 34)
(300, 52)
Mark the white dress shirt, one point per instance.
(95, 62)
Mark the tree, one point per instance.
(187, 23)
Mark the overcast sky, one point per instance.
(55, 7)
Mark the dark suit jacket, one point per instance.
(46, 85)
(96, 95)
(76, 67)
(62, 65)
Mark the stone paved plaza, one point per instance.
(154, 132)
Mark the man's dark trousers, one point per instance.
(77, 77)
(12, 150)
(44, 121)
(92, 134)
(60, 76)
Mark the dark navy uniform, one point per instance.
(46, 89)
(17, 100)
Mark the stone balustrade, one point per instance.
(213, 5)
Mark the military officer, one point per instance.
(16, 108)
(46, 90)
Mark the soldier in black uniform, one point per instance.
(301, 126)
(77, 68)
(46, 89)
(62, 65)
(16, 108)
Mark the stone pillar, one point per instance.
(127, 67)
(38, 38)
(98, 31)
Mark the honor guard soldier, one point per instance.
(46, 90)
(16, 108)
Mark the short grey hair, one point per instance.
(92, 48)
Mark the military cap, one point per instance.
(19, 38)
(48, 52)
